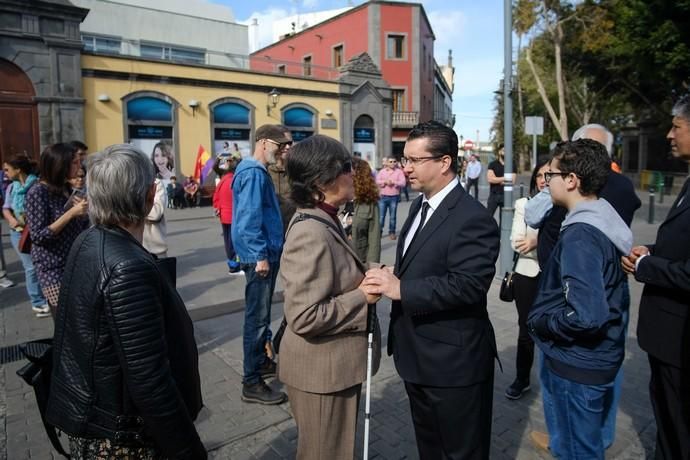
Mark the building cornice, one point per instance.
(187, 81)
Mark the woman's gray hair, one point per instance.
(119, 178)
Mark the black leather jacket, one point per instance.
(125, 361)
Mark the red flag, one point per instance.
(202, 157)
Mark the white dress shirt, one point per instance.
(434, 202)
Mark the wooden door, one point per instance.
(18, 113)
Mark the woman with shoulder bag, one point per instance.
(323, 353)
(525, 281)
(125, 380)
(21, 171)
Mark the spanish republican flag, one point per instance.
(204, 164)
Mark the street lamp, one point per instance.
(273, 99)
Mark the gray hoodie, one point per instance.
(600, 214)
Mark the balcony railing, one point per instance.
(405, 119)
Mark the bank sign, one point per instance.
(364, 135)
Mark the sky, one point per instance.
(472, 29)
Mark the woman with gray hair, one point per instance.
(125, 381)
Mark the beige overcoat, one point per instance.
(324, 348)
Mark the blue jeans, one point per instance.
(389, 202)
(33, 288)
(257, 318)
(575, 416)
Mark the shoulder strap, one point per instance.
(516, 256)
(301, 216)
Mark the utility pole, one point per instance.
(507, 210)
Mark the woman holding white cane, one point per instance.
(323, 353)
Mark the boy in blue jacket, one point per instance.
(577, 318)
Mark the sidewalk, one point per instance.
(232, 429)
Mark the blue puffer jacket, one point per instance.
(257, 229)
(577, 317)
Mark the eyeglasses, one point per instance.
(549, 174)
(279, 144)
(414, 161)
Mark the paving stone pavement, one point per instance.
(232, 429)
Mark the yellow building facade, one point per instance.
(143, 102)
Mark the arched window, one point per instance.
(151, 126)
(231, 121)
(364, 138)
(300, 119)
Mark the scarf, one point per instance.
(19, 194)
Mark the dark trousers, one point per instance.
(669, 393)
(227, 241)
(473, 183)
(495, 200)
(524, 291)
(452, 422)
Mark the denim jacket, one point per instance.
(257, 228)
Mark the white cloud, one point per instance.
(265, 19)
(310, 4)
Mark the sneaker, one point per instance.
(268, 369)
(41, 308)
(261, 393)
(236, 272)
(517, 389)
(5, 282)
(43, 315)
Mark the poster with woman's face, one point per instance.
(162, 156)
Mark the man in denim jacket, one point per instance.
(257, 234)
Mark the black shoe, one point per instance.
(517, 389)
(268, 369)
(262, 394)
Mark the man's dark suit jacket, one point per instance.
(663, 329)
(440, 333)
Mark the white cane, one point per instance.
(367, 405)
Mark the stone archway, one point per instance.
(18, 113)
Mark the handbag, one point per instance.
(278, 336)
(25, 240)
(37, 374)
(506, 292)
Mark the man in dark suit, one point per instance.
(440, 335)
(663, 329)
